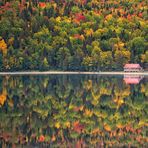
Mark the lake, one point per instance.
(73, 111)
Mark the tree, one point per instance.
(144, 57)
(3, 46)
(106, 60)
(137, 47)
(87, 63)
(96, 51)
(121, 57)
(43, 35)
(63, 58)
(105, 46)
(44, 64)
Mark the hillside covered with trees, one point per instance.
(72, 34)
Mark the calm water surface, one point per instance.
(73, 111)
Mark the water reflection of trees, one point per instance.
(72, 110)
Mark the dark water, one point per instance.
(73, 111)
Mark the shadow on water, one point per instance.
(73, 111)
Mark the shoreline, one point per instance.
(72, 73)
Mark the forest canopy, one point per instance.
(72, 34)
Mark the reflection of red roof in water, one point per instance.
(132, 80)
(132, 66)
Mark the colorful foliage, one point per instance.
(36, 30)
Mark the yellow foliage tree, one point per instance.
(122, 57)
(57, 125)
(144, 57)
(88, 113)
(109, 17)
(107, 127)
(11, 41)
(89, 32)
(3, 46)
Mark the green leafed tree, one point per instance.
(137, 47)
(63, 58)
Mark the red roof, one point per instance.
(132, 66)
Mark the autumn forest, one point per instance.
(72, 34)
(82, 99)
